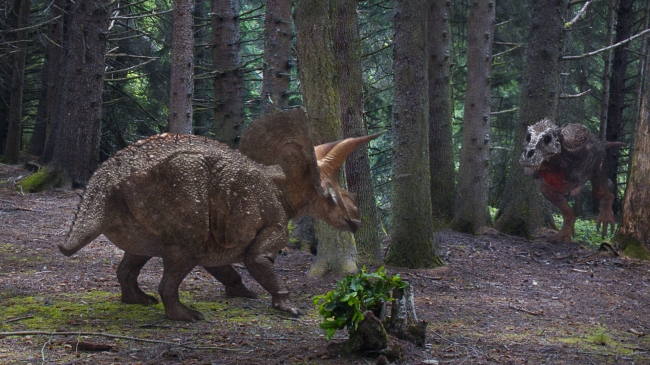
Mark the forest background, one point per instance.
(82, 80)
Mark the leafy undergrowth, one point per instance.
(498, 300)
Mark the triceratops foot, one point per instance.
(281, 302)
(240, 291)
(179, 312)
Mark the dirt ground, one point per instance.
(498, 300)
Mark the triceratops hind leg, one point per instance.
(229, 277)
(259, 262)
(174, 271)
(127, 275)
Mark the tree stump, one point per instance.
(404, 322)
(370, 336)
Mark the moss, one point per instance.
(41, 180)
(631, 246)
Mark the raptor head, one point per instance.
(541, 144)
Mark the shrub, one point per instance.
(354, 295)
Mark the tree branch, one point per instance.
(118, 337)
(580, 12)
(593, 53)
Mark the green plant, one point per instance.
(354, 295)
(585, 231)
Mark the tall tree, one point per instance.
(471, 210)
(441, 152)
(321, 97)
(412, 222)
(347, 51)
(181, 80)
(277, 56)
(229, 77)
(521, 211)
(617, 91)
(77, 140)
(202, 85)
(633, 234)
(14, 130)
(51, 88)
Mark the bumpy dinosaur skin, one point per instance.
(196, 202)
(565, 158)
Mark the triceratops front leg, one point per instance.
(259, 259)
(229, 277)
(569, 218)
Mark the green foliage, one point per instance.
(585, 231)
(354, 295)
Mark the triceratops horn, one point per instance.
(330, 156)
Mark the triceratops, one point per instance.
(196, 202)
(565, 158)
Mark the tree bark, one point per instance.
(633, 234)
(277, 56)
(14, 128)
(55, 53)
(615, 122)
(522, 209)
(347, 50)
(51, 89)
(607, 67)
(321, 97)
(412, 222)
(202, 113)
(182, 68)
(441, 153)
(77, 140)
(229, 80)
(471, 210)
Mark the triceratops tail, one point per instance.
(87, 225)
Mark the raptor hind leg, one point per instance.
(229, 277)
(127, 275)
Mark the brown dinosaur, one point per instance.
(196, 202)
(565, 158)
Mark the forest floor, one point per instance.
(498, 300)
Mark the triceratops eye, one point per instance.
(547, 139)
(528, 137)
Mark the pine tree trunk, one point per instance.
(77, 140)
(412, 222)
(607, 67)
(54, 65)
(277, 56)
(9, 20)
(441, 153)
(471, 210)
(182, 68)
(357, 165)
(201, 112)
(633, 234)
(320, 91)
(229, 80)
(522, 208)
(14, 129)
(615, 122)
